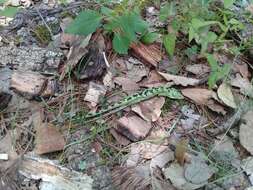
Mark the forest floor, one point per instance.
(126, 95)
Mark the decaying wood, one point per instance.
(30, 59)
(53, 175)
(150, 54)
(30, 84)
(133, 127)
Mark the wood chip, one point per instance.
(94, 93)
(133, 127)
(30, 83)
(150, 54)
(48, 139)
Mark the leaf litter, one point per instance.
(157, 143)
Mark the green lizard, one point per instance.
(134, 99)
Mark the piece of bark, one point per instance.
(53, 176)
(48, 139)
(133, 127)
(32, 84)
(150, 54)
(30, 59)
(94, 93)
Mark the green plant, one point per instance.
(127, 26)
(217, 72)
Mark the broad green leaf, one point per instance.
(169, 42)
(217, 72)
(210, 37)
(228, 3)
(2, 1)
(85, 23)
(197, 23)
(149, 37)
(191, 34)
(126, 24)
(120, 43)
(9, 11)
(140, 26)
(106, 11)
(212, 62)
(169, 9)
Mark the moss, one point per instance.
(42, 34)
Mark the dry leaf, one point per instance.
(153, 79)
(77, 51)
(198, 95)
(175, 173)
(162, 159)
(147, 150)
(225, 94)
(119, 138)
(211, 104)
(245, 86)
(136, 70)
(247, 166)
(246, 132)
(133, 127)
(48, 139)
(198, 69)
(150, 110)
(180, 80)
(107, 80)
(197, 171)
(94, 93)
(127, 84)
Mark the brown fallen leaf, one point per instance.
(77, 51)
(212, 105)
(68, 39)
(225, 94)
(180, 80)
(147, 150)
(127, 84)
(198, 69)
(246, 88)
(136, 70)
(94, 93)
(239, 63)
(48, 139)
(153, 80)
(150, 54)
(133, 127)
(122, 140)
(246, 132)
(198, 95)
(150, 110)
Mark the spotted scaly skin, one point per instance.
(136, 98)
